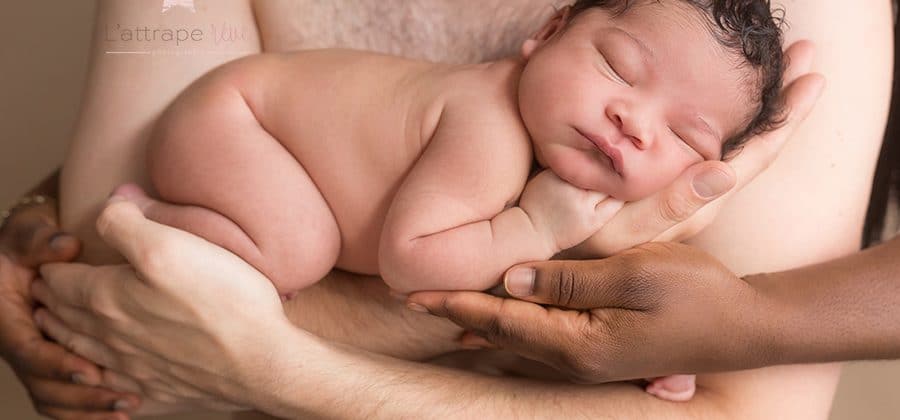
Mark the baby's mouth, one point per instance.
(608, 155)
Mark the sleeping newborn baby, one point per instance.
(419, 172)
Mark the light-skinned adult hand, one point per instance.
(61, 384)
(186, 334)
(692, 201)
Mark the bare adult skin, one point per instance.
(744, 222)
(608, 318)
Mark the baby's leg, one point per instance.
(232, 183)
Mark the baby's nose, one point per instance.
(630, 125)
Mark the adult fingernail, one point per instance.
(711, 183)
(79, 379)
(121, 405)
(520, 282)
(416, 307)
(58, 241)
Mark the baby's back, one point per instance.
(292, 161)
(356, 123)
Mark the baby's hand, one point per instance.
(563, 213)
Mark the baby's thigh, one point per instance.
(247, 192)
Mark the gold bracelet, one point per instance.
(26, 201)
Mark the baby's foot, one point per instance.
(673, 388)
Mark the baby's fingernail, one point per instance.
(78, 379)
(416, 307)
(121, 405)
(711, 183)
(520, 282)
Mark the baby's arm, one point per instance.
(449, 227)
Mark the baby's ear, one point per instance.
(556, 23)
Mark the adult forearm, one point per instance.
(388, 388)
(846, 309)
(358, 311)
(129, 83)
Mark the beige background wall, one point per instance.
(43, 59)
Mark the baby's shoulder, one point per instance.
(485, 110)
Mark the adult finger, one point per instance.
(74, 284)
(79, 344)
(117, 381)
(799, 56)
(42, 358)
(590, 284)
(78, 397)
(530, 330)
(48, 245)
(644, 220)
(123, 226)
(757, 154)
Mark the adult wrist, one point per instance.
(773, 338)
(298, 367)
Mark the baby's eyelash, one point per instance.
(681, 139)
(612, 70)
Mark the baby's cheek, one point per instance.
(655, 178)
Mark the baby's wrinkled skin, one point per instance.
(381, 165)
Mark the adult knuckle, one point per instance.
(132, 367)
(676, 207)
(562, 287)
(104, 304)
(507, 327)
(639, 286)
(78, 346)
(153, 259)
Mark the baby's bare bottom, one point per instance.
(229, 181)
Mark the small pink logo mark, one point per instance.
(171, 4)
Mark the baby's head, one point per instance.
(621, 96)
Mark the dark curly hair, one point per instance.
(749, 29)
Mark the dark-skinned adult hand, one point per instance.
(61, 384)
(658, 309)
